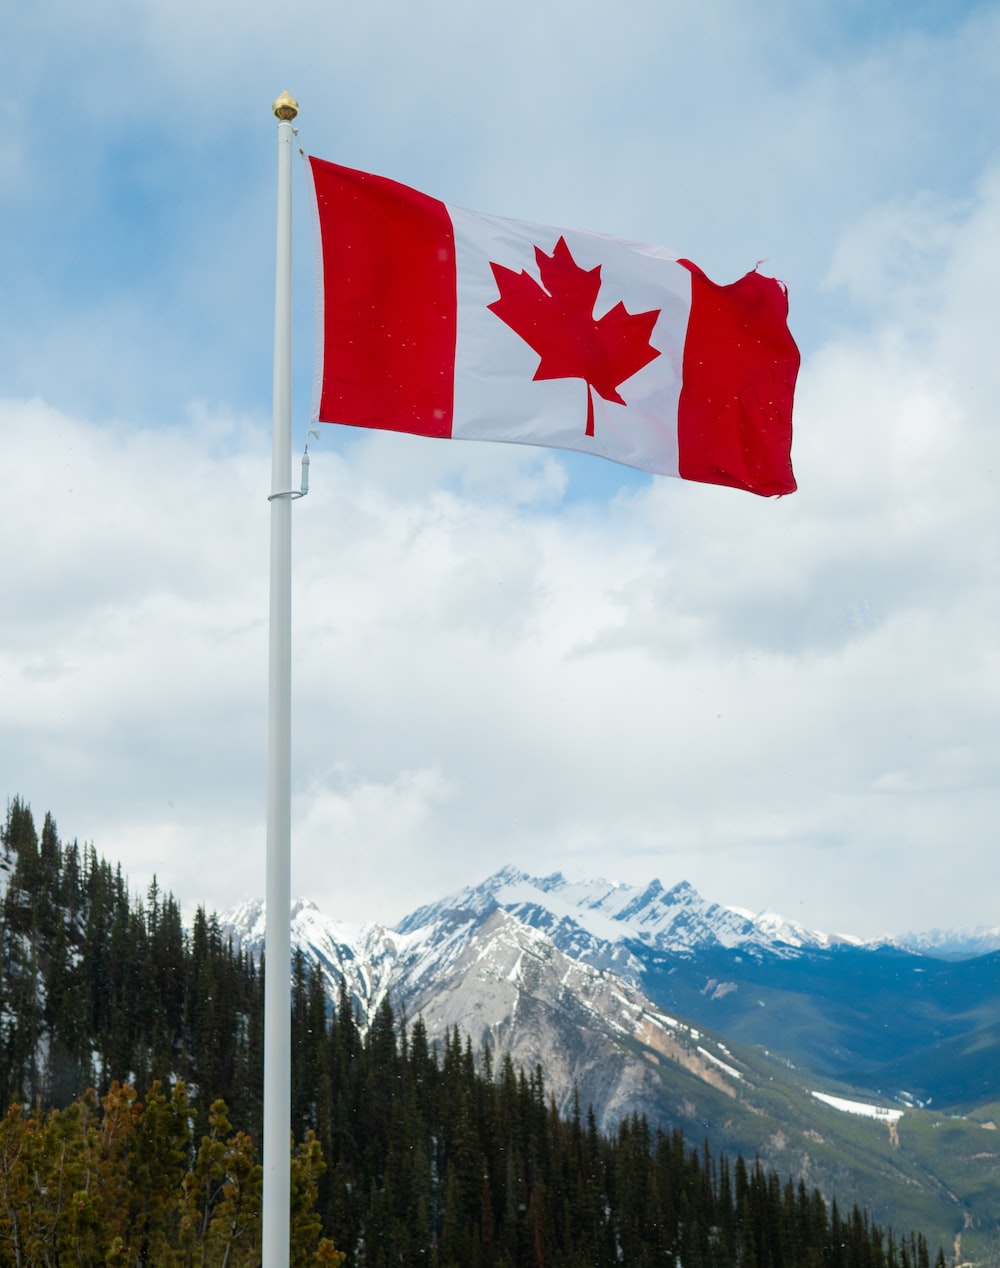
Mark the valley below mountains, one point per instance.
(869, 1070)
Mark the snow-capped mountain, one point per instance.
(760, 1036)
(604, 985)
(602, 924)
(590, 918)
(364, 957)
(474, 966)
(954, 942)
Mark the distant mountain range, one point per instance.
(868, 1070)
(821, 1000)
(848, 1063)
(955, 944)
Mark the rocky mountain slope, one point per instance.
(738, 1029)
(820, 1000)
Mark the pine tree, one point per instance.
(408, 1154)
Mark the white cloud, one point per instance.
(502, 654)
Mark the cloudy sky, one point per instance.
(506, 655)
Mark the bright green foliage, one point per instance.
(120, 1182)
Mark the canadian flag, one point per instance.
(444, 322)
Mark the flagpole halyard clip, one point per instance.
(294, 494)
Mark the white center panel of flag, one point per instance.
(496, 395)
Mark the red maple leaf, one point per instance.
(556, 319)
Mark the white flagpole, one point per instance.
(277, 979)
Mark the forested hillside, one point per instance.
(96, 985)
(408, 1154)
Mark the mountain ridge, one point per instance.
(677, 919)
(648, 1001)
(819, 999)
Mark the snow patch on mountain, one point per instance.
(880, 1112)
(723, 1065)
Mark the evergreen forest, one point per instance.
(130, 1060)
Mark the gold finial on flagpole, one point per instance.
(285, 107)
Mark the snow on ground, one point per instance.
(721, 1064)
(880, 1112)
(570, 908)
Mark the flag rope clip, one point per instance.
(294, 494)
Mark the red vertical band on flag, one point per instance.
(390, 307)
(740, 364)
